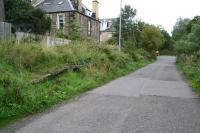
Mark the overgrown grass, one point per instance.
(19, 64)
(192, 72)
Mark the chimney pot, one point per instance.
(80, 5)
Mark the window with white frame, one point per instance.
(60, 21)
(89, 27)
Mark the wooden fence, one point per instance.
(5, 30)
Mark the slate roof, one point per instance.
(56, 6)
(108, 19)
(111, 28)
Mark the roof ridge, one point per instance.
(70, 3)
(107, 18)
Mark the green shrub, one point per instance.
(112, 41)
(192, 72)
(61, 34)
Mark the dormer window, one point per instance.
(60, 3)
(47, 3)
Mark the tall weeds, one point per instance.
(20, 63)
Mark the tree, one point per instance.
(189, 45)
(128, 14)
(74, 31)
(151, 38)
(180, 29)
(138, 28)
(195, 20)
(26, 18)
(168, 42)
(192, 44)
(138, 34)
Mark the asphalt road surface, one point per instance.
(154, 99)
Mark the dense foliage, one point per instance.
(73, 34)
(186, 34)
(128, 15)
(168, 44)
(151, 38)
(140, 35)
(188, 44)
(180, 29)
(26, 18)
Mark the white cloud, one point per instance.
(158, 12)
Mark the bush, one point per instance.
(112, 41)
(61, 34)
(26, 18)
(151, 38)
(188, 49)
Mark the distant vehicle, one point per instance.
(157, 53)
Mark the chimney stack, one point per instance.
(95, 9)
(80, 5)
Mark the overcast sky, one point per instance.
(158, 12)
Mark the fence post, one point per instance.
(5, 30)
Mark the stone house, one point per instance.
(107, 29)
(62, 12)
(2, 15)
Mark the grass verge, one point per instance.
(192, 72)
(19, 64)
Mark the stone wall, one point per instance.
(82, 21)
(47, 41)
(105, 36)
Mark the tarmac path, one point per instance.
(154, 99)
